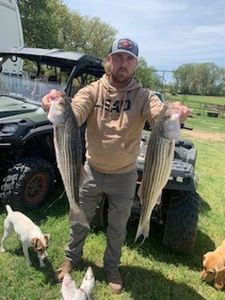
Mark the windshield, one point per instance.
(29, 79)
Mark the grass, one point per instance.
(200, 120)
(150, 271)
(201, 105)
(206, 124)
(200, 99)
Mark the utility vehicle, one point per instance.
(28, 168)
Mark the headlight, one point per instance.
(9, 128)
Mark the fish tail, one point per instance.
(78, 217)
(143, 229)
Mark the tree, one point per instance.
(147, 75)
(40, 23)
(50, 24)
(200, 79)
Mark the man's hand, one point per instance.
(53, 95)
(183, 110)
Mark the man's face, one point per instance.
(122, 66)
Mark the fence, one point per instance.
(205, 108)
(212, 110)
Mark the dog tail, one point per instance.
(9, 209)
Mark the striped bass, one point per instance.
(157, 166)
(68, 149)
(70, 291)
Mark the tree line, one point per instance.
(51, 24)
(200, 79)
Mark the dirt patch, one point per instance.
(204, 135)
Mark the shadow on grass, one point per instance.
(143, 284)
(153, 246)
(204, 207)
(55, 206)
(48, 270)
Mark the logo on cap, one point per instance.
(125, 44)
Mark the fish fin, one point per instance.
(83, 176)
(143, 229)
(69, 287)
(78, 218)
(158, 201)
(139, 193)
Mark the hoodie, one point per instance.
(115, 120)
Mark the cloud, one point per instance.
(169, 32)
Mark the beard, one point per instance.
(121, 76)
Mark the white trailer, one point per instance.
(11, 33)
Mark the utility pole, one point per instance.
(163, 78)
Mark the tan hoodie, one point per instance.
(115, 119)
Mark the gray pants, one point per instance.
(119, 190)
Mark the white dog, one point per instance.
(29, 233)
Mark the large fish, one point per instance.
(157, 166)
(68, 149)
(70, 291)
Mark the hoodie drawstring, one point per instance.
(122, 109)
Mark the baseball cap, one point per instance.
(126, 45)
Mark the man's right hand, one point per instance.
(53, 95)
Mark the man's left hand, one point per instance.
(180, 108)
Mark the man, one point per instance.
(116, 108)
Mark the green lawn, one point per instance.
(201, 105)
(199, 99)
(200, 120)
(150, 271)
(206, 124)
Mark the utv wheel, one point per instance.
(27, 183)
(181, 221)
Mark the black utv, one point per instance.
(28, 168)
(27, 158)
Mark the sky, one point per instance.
(169, 33)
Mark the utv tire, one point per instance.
(27, 183)
(181, 221)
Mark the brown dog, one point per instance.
(214, 267)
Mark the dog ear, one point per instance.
(34, 242)
(206, 255)
(47, 237)
(219, 279)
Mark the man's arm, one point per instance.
(82, 103)
(181, 109)
(53, 95)
(154, 105)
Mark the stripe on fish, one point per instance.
(68, 150)
(157, 167)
